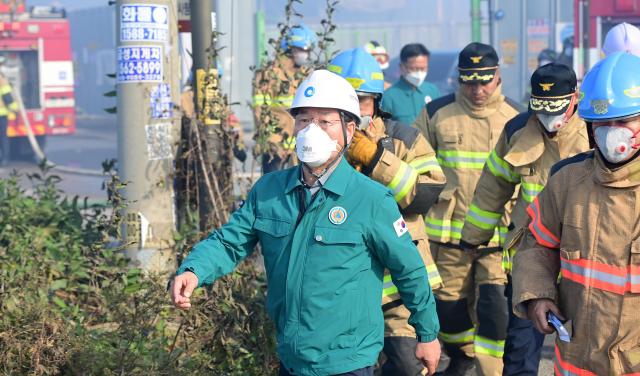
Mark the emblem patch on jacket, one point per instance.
(400, 226)
(337, 215)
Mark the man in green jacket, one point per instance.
(407, 97)
(327, 233)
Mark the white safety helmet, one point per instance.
(323, 89)
(623, 37)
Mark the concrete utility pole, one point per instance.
(147, 87)
(203, 65)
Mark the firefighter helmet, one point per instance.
(360, 69)
(323, 89)
(300, 37)
(611, 89)
(622, 37)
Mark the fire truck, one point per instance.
(36, 49)
(593, 19)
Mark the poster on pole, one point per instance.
(144, 23)
(161, 104)
(159, 141)
(139, 64)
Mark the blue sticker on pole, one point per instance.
(144, 22)
(139, 64)
(161, 105)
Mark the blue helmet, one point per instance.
(301, 37)
(611, 89)
(359, 68)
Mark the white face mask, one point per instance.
(314, 146)
(615, 142)
(415, 78)
(552, 123)
(384, 65)
(300, 58)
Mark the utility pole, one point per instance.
(205, 76)
(147, 88)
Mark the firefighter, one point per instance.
(584, 227)
(382, 57)
(8, 109)
(622, 37)
(398, 157)
(528, 147)
(463, 128)
(275, 86)
(327, 233)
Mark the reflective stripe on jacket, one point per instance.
(520, 164)
(463, 136)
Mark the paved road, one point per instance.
(94, 141)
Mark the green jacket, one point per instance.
(324, 279)
(404, 101)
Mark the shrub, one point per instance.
(69, 304)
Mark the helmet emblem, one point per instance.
(476, 59)
(309, 92)
(600, 106)
(546, 87)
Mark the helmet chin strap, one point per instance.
(337, 158)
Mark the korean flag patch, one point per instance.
(400, 226)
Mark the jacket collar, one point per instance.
(625, 176)
(493, 104)
(337, 182)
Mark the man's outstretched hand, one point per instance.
(181, 289)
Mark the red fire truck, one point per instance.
(593, 19)
(36, 49)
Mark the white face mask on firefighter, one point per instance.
(552, 123)
(300, 58)
(615, 143)
(314, 146)
(416, 78)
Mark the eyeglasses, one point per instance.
(303, 121)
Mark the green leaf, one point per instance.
(58, 284)
(59, 302)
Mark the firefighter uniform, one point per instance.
(463, 135)
(8, 108)
(274, 87)
(522, 158)
(584, 227)
(398, 157)
(407, 165)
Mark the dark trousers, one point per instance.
(367, 371)
(523, 347)
(401, 357)
(4, 141)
